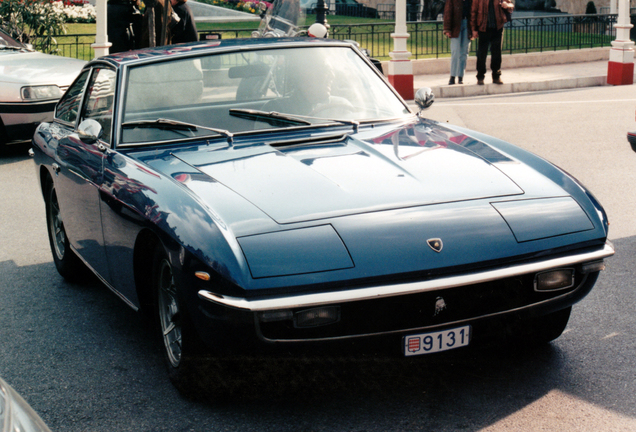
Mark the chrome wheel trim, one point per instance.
(56, 226)
(169, 313)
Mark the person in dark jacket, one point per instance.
(457, 28)
(183, 27)
(123, 25)
(487, 21)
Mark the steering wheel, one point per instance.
(333, 108)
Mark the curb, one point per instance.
(513, 61)
(520, 87)
(435, 66)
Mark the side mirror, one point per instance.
(90, 131)
(424, 98)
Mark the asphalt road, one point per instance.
(85, 362)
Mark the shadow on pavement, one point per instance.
(14, 152)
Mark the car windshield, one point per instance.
(261, 89)
(8, 43)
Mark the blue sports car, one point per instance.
(278, 194)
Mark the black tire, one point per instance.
(544, 329)
(177, 338)
(67, 263)
(3, 135)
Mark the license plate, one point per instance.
(427, 343)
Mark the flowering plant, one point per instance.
(32, 21)
(249, 6)
(75, 12)
(37, 21)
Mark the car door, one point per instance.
(80, 165)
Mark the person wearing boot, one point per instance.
(457, 28)
(487, 21)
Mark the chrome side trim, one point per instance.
(376, 292)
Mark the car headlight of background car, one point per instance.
(44, 92)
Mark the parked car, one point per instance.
(15, 414)
(274, 194)
(31, 83)
(631, 138)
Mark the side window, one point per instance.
(99, 101)
(68, 107)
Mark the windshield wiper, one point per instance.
(278, 119)
(162, 123)
(272, 117)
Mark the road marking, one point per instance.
(613, 101)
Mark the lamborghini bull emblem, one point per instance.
(440, 306)
(435, 244)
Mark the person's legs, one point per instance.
(496, 40)
(464, 48)
(482, 53)
(455, 46)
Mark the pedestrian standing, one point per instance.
(487, 20)
(182, 27)
(123, 25)
(457, 28)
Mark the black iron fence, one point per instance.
(351, 10)
(522, 35)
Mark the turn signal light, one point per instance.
(277, 315)
(554, 280)
(592, 267)
(317, 317)
(202, 275)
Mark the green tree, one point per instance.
(33, 21)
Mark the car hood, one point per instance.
(326, 176)
(37, 68)
(365, 202)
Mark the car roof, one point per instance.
(194, 48)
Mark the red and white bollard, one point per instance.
(620, 69)
(400, 67)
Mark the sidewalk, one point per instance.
(520, 73)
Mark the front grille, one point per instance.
(417, 311)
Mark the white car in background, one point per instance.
(16, 414)
(31, 83)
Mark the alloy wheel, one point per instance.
(57, 227)
(169, 314)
